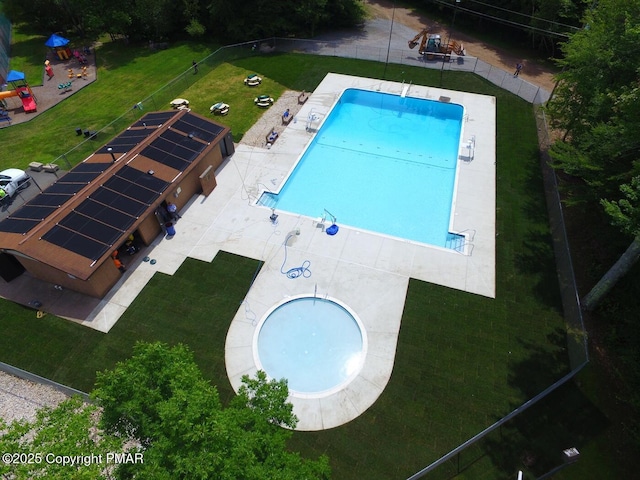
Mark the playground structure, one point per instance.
(21, 89)
(59, 46)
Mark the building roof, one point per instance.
(76, 223)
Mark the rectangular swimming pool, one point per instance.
(383, 163)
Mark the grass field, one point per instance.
(462, 361)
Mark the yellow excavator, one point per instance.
(423, 36)
(431, 44)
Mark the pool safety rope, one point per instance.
(295, 272)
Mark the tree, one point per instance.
(625, 214)
(592, 104)
(160, 398)
(67, 431)
(243, 21)
(597, 105)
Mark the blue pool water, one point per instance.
(315, 343)
(381, 163)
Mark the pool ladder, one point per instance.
(313, 117)
(471, 148)
(405, 89)
(461, 242)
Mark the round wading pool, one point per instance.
(317, 344)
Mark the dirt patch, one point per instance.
(533, 72)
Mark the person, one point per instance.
(195, 67)
(116, 261)
(130, 245)
(272, 136)
(518, 68)
(172, 210)
(3, 194)
(286, 117)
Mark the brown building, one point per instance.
(67, 234)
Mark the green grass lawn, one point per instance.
(463, 361)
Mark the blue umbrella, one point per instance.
(15, 76)
(56, 41)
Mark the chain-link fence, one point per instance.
(506, 80)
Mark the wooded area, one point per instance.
(157, 20)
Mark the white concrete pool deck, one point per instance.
(368, 272)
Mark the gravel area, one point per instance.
(20, 399)
(272, 119)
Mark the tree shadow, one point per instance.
(534, 440)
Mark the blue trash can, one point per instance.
(171, 230)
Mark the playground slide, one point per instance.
(28, 103)
(8, 93)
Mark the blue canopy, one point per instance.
(15, 76)
(56, 41)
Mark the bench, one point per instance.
(303, 97)
(286, 119)
(36, 166)
(50, 167)
(271, 137)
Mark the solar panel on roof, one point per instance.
(154, 119)
(175, 149)
(49, 199)
(66, 188)
(91, 167)
(33, 212)
(143, 178)
(91, 228)
(131, 133)
(129, 189)
(165, 158)
(164, 145)
(76, 242)
(194, 130)
(78, 177)
(124, 204)
(117, 148)
(125, 141)
(203, 124)
(17, 225)
(106, 214)
(184, 141)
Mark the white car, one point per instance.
(12, 180)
